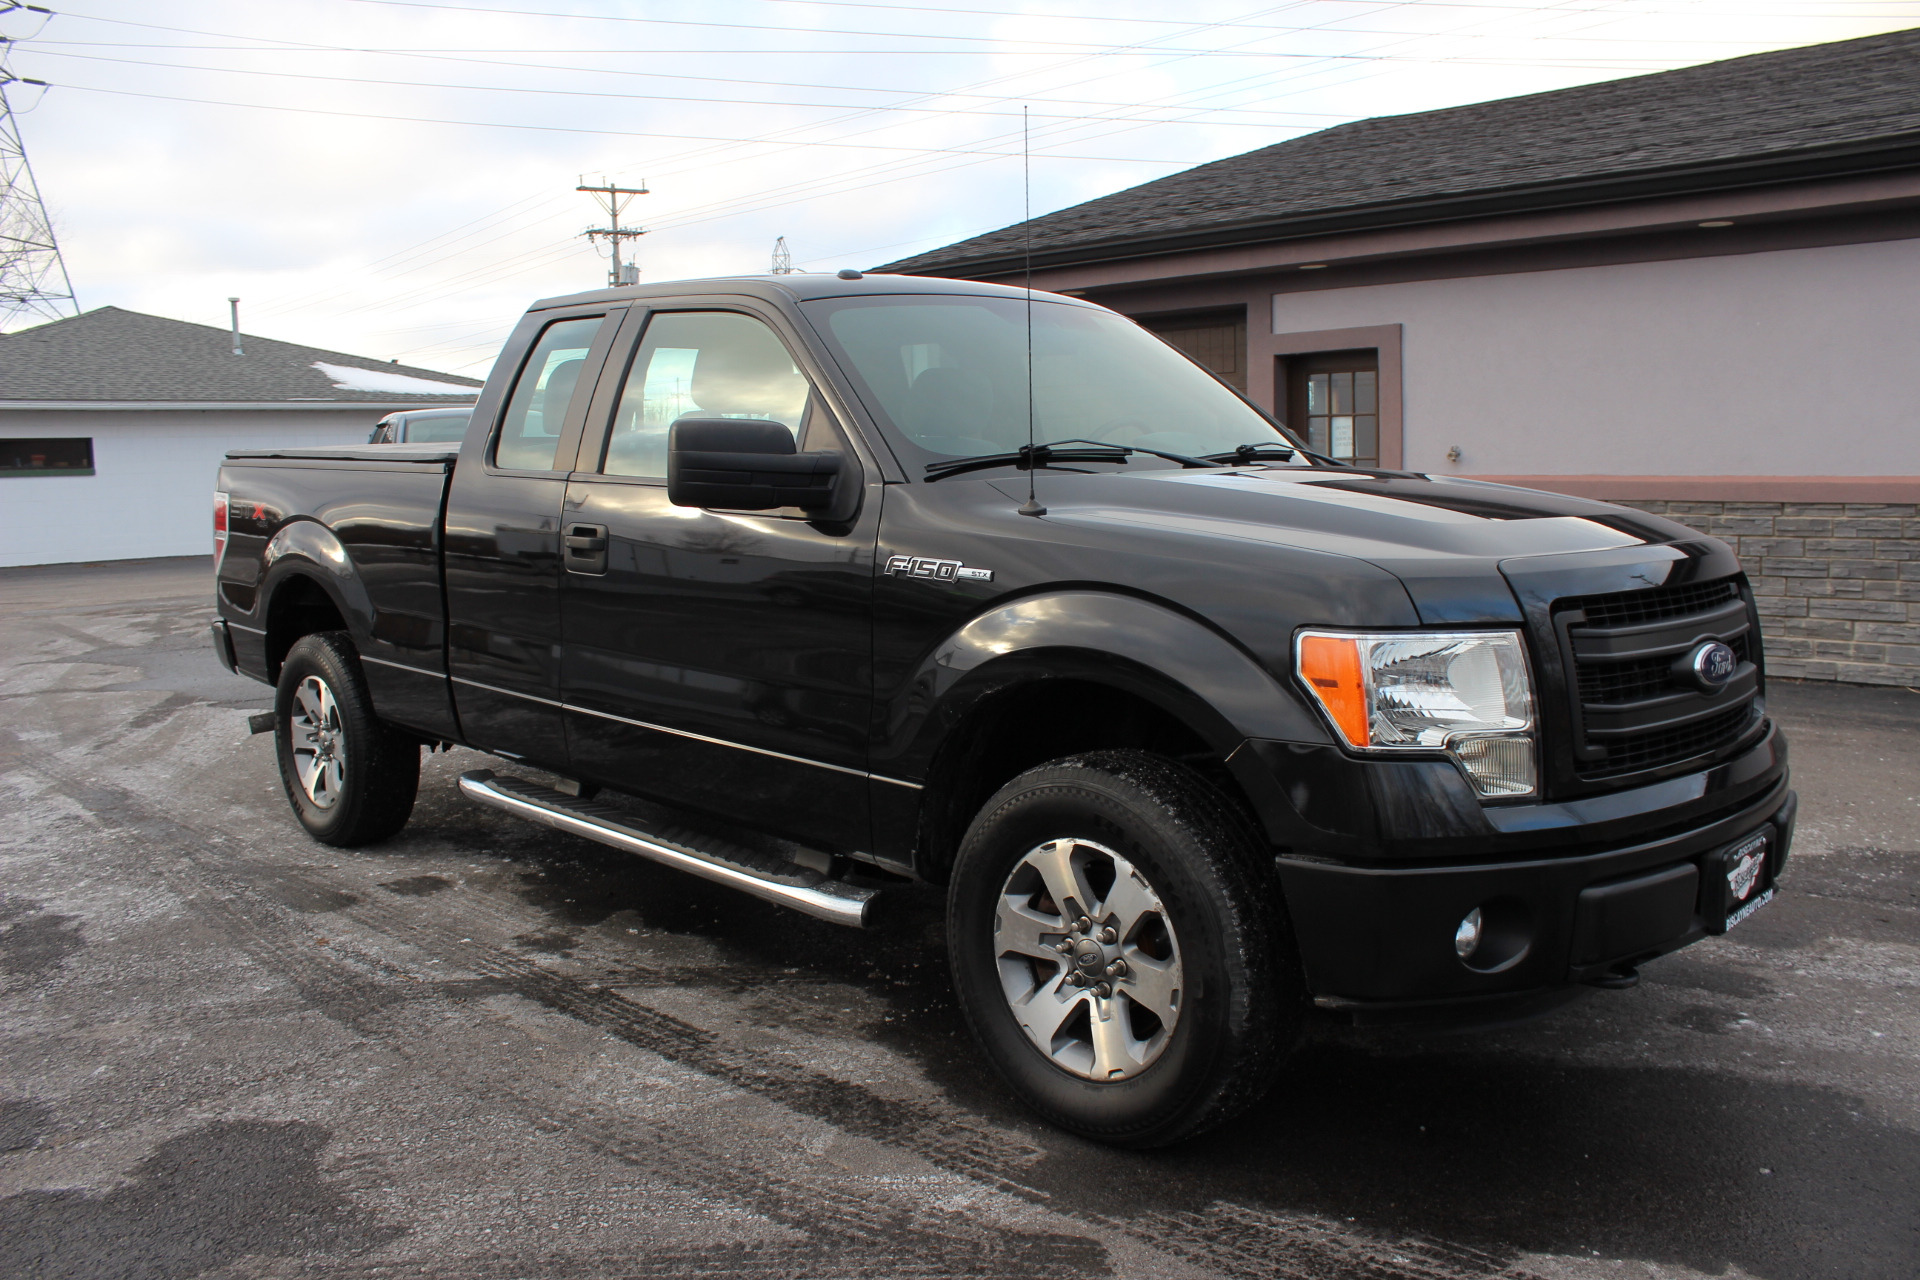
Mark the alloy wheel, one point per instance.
(319, 744)
(1088, 960)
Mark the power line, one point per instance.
(1083, 46)
(559, 128)
(641, 97)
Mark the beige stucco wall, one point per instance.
(1793, 362)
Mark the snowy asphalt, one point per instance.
(486, 1049)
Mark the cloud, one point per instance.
(425, 241)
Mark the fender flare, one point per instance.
(308, 549)
(1162, 654)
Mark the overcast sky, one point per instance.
(396, 179)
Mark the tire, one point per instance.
(350, 777)
(1208, 995)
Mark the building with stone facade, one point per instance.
(1696, 292)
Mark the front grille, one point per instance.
(1631, 713)
(1611, 683)
(1630, 608)
(1647, 750)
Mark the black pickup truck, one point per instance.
(880, 577)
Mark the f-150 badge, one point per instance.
(935, 570)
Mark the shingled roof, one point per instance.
(1823, 110)
(114, 355)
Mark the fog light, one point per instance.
(1466, 938)
(1497, 766)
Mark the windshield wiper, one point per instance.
(1027, 458)
(1267, 451)
(1044, 456)
(1180, 458)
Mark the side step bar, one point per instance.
(785, 883)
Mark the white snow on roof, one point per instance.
(348, 378)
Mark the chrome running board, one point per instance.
(785, 883)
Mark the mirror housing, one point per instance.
(743, 464)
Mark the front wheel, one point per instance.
(1119, 951)
(350, 777)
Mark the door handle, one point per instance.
(585, 548)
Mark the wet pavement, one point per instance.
(485, 1049)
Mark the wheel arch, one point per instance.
(1046, 676)
(311, 584)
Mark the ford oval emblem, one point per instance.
(1712, 665)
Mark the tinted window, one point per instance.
(437, 430)
(700, 364)
(530, 433)
(950, 374)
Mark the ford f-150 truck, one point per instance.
(872, 577)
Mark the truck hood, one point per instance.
(1443, 538)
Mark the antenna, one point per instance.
(1031, 507)
(33, 275)
(782, 260)
(614, 200)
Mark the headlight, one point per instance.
(1462, 692)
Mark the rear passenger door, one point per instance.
(717, 659)
(503, 538)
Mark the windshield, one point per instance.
(949, 373)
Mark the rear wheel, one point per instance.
(1119, 950)
(350, 777)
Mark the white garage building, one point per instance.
(113, 423)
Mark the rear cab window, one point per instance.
(530, 430)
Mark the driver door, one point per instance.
(720, 660)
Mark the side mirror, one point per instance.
(746, 465)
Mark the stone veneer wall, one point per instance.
(1838, 584)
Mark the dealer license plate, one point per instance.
(1745, 869)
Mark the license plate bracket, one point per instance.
(1738, 880)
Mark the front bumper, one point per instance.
(1378, 936)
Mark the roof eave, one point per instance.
(1893, 152)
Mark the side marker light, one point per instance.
(1331, 664)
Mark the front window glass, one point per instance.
(950, 374)
(530, 433)
(701, 364)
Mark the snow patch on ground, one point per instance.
(348, 378)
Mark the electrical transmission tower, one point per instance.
(33, 278)
(782, 260)
(615, 200)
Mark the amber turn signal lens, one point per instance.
(1331, 667)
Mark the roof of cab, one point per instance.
(797, 287)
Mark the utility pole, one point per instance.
(33, 276)
(782, 260)
(615, 200)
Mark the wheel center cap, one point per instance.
(1089, 955)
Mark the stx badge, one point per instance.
(935, 570)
